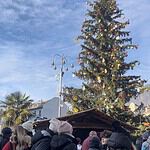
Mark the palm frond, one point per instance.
(16, 105)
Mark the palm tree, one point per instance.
(16, 108)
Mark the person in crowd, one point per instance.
(145, 135)
(95, 144)
(19, 140)
(86, 142)
(104, 139)
(64, 140)
(79, 145)
(4, 138)
(28, 126)
(146, 144)
(116, 127)
(41, 139)
(138, 143)
(120, 138)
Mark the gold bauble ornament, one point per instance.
(75, 98)
(132, 107)
(99, 79)
(75, 110)
(118, 66)
(112, 55)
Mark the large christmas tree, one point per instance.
(105, 45)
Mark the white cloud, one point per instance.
(35, 11)
(31, 33)
(15, 67)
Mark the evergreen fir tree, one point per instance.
(105, 45)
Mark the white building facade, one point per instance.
(48, 109)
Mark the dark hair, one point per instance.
(78, 140)
(105, 134)
(116, 127)
(116, 124)
(6, 131)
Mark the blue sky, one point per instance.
(32, 32)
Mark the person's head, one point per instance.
(28, 126)
(78, 140)
(105, 137)
(116, 124)
(6, 132)
(65, 128)
(117, 127)
(145, 135)
(92, 133)
(95, 142)
(54, 125)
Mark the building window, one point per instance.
(34, 113)
(39, 113)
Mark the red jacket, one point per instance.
(86, 143)
(9, 146)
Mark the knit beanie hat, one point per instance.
(92, 133)
(65, 127)
(54, 125)
(28, 125)
(6, 131)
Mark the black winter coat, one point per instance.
(63, 142)
(41, 140)
(138, 143)
(95, 144)
(119, 140)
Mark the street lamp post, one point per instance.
(61, 75)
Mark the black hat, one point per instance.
(6, 131)
(116, 124)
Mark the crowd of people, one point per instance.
(143, 142)
(59, 136)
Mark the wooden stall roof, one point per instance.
(93, 118)
(89, 119)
